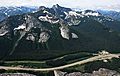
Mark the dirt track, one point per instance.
(95, 58)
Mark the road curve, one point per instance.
(95, 58)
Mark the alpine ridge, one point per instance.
(59, 29)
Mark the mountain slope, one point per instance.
(58, 28)
(113, 14)
(10, 11)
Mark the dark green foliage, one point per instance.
(67, 59)
(92, 38)
(112, 64)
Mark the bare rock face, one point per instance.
(100, 72)
(59, 73)
(85, 74)
(74, 74)
(3, 30)
(65, 32)
(16, 74)
(73, 17)
(30, 37)
(44, 36)
(105, 72)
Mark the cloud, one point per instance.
(93, 4)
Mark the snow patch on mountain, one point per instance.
(21, 27)
(46, 12)
(48, 19)
(73, 13)
(3, 30)
(90, 13)
(3, 33)
(74, 35)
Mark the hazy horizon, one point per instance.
(81, 4)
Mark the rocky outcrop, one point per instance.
(3, 30)
(44, 36)
(100, 72)
(74, 35)
(30, 37)
(65, 32)
(16, 74)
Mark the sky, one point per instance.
(84, 4)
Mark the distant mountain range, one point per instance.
(112, 14)
(10, 11)
(59, 28)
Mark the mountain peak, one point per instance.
(56, 6)
(42, 7)
(60, 8)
